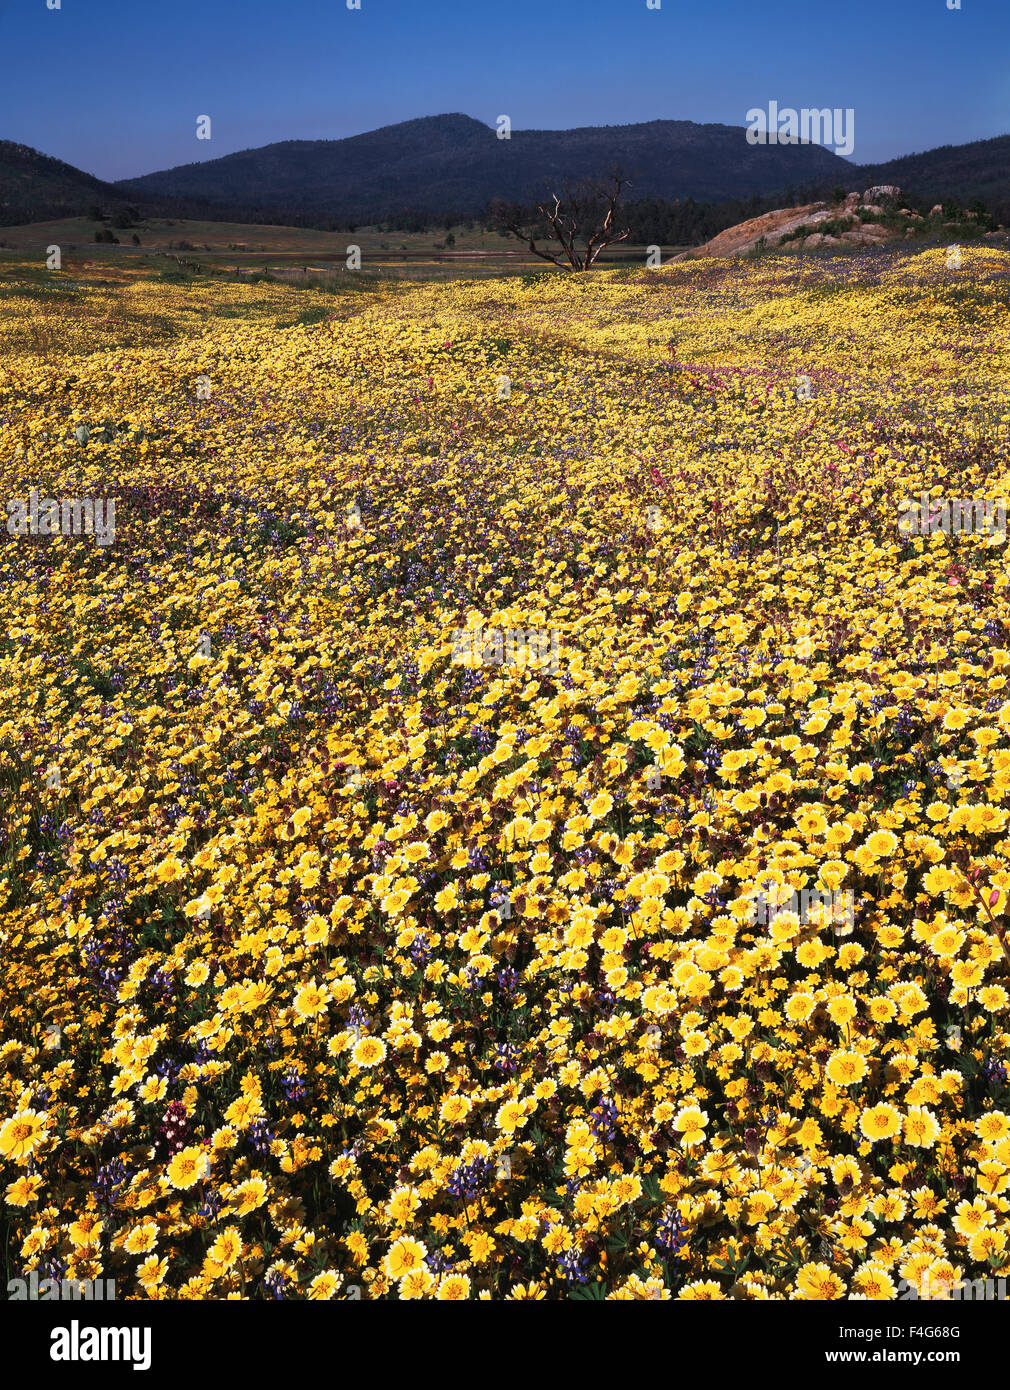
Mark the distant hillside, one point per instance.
(689, 181)
(34, 187)
(979, 170)
(454, 163)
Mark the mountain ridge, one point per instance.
(454, 161)
(39, 183)
(453, 165)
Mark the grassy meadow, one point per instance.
(222, 247)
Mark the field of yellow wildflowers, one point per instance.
(333, 967)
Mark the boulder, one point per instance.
(771, 226)
(936, 209)
(870, 235)
(882, 190)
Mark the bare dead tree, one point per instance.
(586, 212)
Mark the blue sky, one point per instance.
(115, 86)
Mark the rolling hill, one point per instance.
(452, 166)
(454, 162)
(35, 187)
(979, 170)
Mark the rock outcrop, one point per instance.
(881, 190)
(867, 235)
(773, 228)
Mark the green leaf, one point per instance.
(593, 1293)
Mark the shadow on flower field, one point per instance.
(333, 967)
